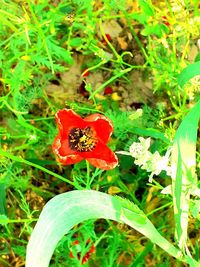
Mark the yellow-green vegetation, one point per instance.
(137, 65)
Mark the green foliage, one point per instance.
(195, 208)
(3, 219)
(188, 73)
(135, 122)
(146, 7)
(184, 177)
(3, 198)
(39, 42)
(76, 206)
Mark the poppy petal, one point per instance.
(102, 125)
(101, 157)
(65, 155)
(67, 119)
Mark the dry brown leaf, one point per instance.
(123, 44)
(112, 28)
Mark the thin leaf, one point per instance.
(188, 73)
(184, 179)
(2, 198)
(150, 132)
(66, 210)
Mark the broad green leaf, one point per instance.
(78, 26)
(147, 9)
(184, 179)
(66, 210)
(158, 29)
(76, 42)
(66, 9)
(188, 73)
(141, 17)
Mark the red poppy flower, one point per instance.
(77, 247)
(80, 139)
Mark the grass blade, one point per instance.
(2, 198)
(66, 210)
(188, 73)
(184, 178)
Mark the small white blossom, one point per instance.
(167, 190)
(142, 159)
(151, 162)
(140, 148)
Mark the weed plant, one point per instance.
(40, 41)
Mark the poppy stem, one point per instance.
(88, 175)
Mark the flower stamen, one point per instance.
(82, 140)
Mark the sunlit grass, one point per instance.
(146, 52)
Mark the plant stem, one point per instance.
(5, 221)
(21, 160)
(88, 174)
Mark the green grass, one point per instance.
(153, 67)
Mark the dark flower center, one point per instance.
(82, 140)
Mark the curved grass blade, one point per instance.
(68, 209)
(188, 73)
(184, 179)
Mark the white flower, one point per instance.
(151, 162)
(157, 164)
(140, 148)
(142, 159)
